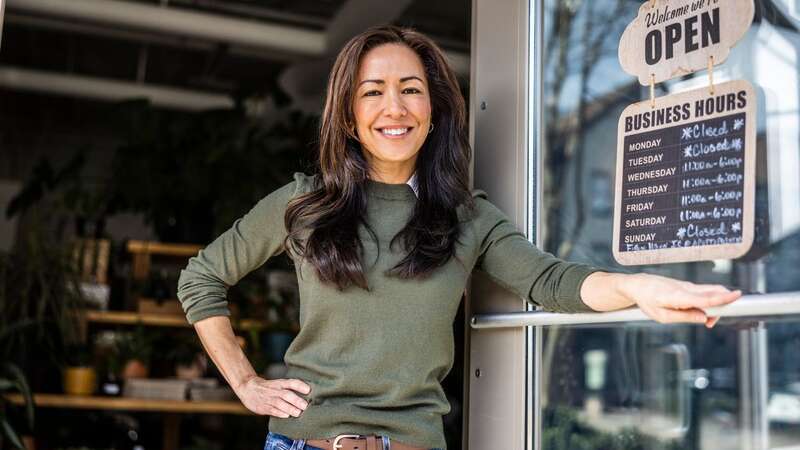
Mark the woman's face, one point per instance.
(392, 108)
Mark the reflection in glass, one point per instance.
(643, 386)
(665, 387)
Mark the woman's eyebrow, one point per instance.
(412, 77)
(402, 80)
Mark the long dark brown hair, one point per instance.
(323, 224)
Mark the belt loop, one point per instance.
(372, 443)
(387, 445)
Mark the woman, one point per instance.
(384, 239)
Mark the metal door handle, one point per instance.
(780, 304)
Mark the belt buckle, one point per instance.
(337, 445)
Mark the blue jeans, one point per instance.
(277, 441)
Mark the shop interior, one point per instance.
(132, 133)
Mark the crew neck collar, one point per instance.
(393, 191)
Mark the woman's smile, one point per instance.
(392, 110)
(395, 132)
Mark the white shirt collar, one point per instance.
(413, 182)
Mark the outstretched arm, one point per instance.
(663, 299)
(561, 286)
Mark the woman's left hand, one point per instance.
(667, 300)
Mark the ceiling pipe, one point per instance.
(109, 90)
(257, 12)
(173, 21)
(142, 37)
(2, 15)
(279, 42)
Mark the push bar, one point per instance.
(779, 304)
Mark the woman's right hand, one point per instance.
(273, 397)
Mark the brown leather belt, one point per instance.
(354, 442)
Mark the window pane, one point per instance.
(656, 387)
(585, 93)
(646, 386)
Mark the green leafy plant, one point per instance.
(183, 350)
(40, 299)
(13, 380)
(40, 305)
(192, 175)
(137, 344)
(79, 355)
(68, 195)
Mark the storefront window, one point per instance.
(642, 385)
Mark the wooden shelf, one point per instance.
(162, 248)
(132, 404)
(161, 320)
(134, 318)
(143, 250)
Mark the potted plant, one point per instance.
(80, 376)
(187, 357)
(134, 350)
(13, 380)
(40, 303)
(39, 288)
(105, 346)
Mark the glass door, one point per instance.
(640, 385)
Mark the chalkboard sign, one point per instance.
(686, 176)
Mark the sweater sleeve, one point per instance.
(510, 259)
(251, 240)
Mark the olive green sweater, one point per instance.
(375, 360)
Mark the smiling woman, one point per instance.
(392, 109)
(387, 89)
(383, 266)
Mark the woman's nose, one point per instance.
(394, 106)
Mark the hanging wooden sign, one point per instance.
(685, 176)
(670, 38)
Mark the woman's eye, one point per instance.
(404, 91)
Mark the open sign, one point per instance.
(670, 38)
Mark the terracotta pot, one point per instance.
(80, 380)
(134, 369)
(28, 442)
